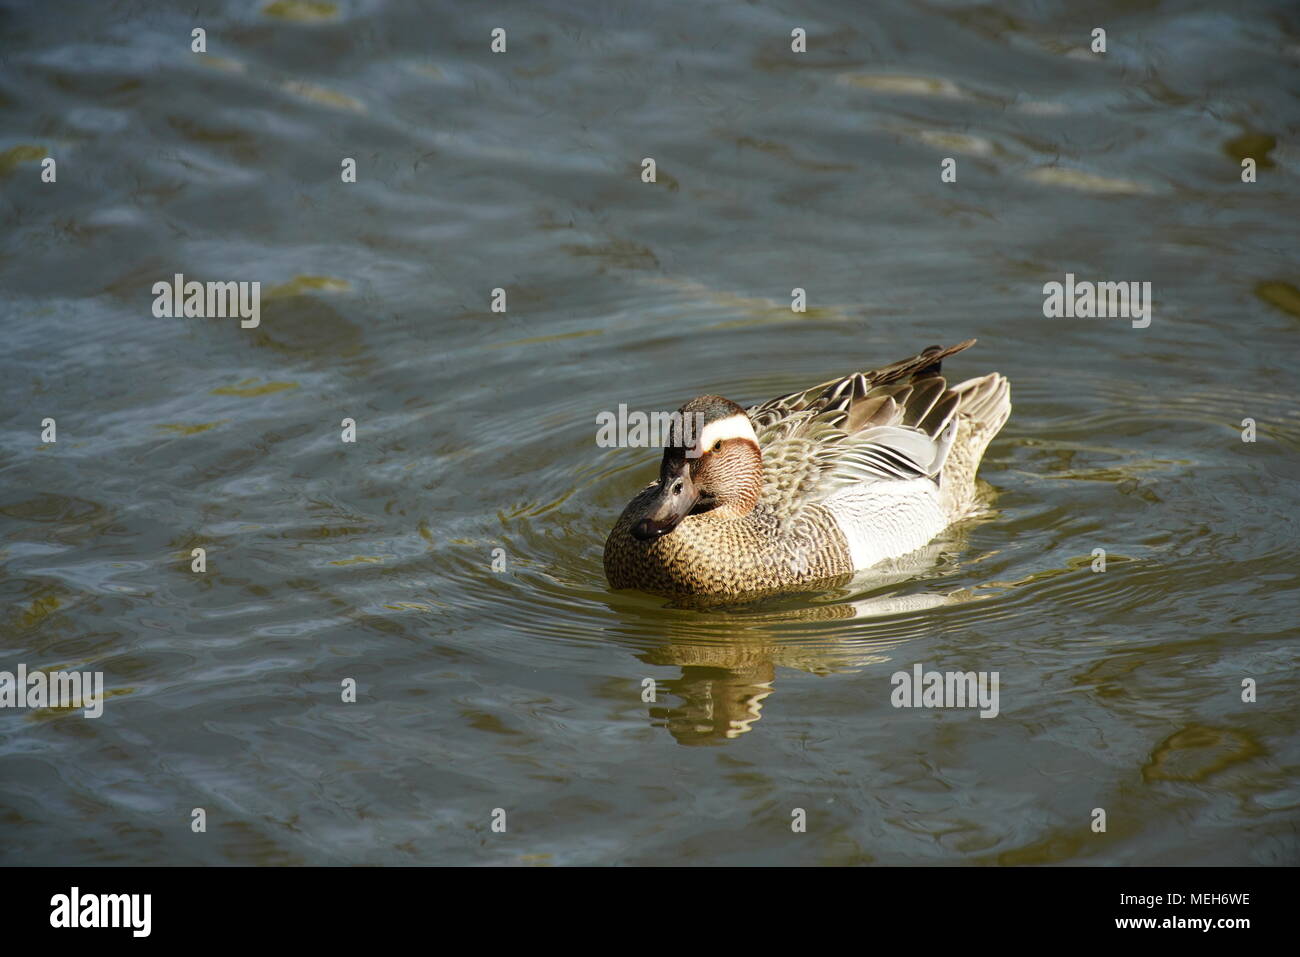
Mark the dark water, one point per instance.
(521, 689)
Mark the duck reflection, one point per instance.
(726, 679)
(717, 703)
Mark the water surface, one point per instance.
(521, 688)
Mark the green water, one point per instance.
(522, 688)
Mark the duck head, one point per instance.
(711, 464)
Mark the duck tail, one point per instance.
(927, 362)
(983, 407)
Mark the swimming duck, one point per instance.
(807, 488)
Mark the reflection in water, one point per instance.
(717, 703)
(724, 682)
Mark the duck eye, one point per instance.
(717, 446)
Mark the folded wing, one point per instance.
(894, 424)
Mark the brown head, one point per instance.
(711, 464)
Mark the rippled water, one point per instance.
(521, 689)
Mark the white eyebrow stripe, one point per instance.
(732, 427)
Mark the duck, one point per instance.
(805, 490)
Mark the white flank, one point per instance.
(884, 520)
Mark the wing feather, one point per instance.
(893, 424)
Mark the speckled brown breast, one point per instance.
(713, 557)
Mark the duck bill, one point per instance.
(672, 502)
